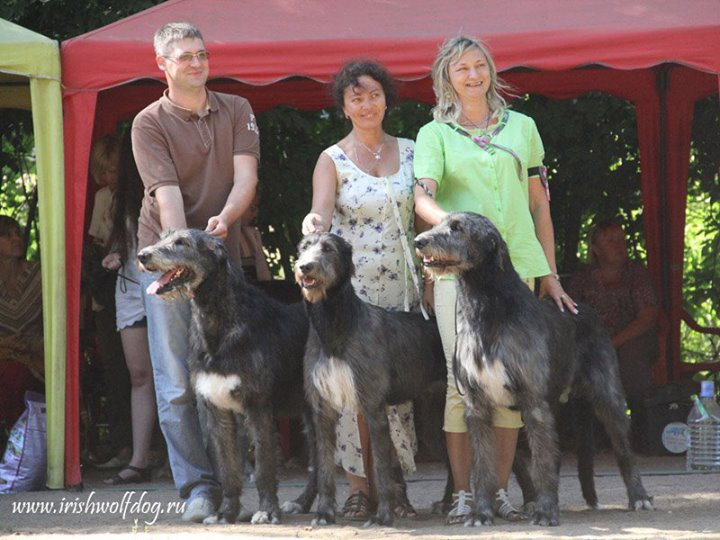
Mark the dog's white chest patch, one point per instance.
(334, 381)
(491, 376)
(218, 390)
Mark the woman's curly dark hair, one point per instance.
(352, 71)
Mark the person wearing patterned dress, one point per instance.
(21, 328)
(363, 192)
(621, 292)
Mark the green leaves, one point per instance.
(18, 181)
(701, 269)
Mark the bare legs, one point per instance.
(142, 394)
(359, 484)
(460, 456)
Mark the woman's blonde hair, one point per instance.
(104, 156)
(448, 108)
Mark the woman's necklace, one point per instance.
(486, 120)
(377, 154)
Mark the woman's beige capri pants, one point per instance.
(445, 311)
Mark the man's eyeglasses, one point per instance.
(187, 58)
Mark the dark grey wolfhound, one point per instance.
(247, 352)
(516, 351)
(359, 358)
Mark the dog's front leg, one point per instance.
(521, 469)
(542, 439)
(223, 434)
(382, 449)
(304, 501)
(324, 421)
(478, 417)
(262, 423)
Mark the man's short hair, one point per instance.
(172, 32)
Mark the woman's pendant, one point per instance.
(482, 140)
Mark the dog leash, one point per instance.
(410, 265)
(485, 142)
(125, 279)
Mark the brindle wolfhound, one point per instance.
(359, 358)
(246, 358)
(518, 352)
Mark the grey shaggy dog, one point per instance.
(518, 352)
(246, 359)
(359, 358)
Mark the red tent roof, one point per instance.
(263, 41)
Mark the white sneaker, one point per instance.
(198, 509)
(460, 509)
(505, 509)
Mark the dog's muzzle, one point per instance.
(303, 277)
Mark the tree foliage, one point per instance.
(701, 269)
(18, 183)
(63, 19)
(591, 152)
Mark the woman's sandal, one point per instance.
(141, 475)
(357, 507)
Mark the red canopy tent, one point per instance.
(662, 55)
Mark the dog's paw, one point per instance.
(380, 519)
(215, 519)
(262, 517)
(323, 519)
(642, 504)
(479, 519)
(244, 515)
(529, 508)
(548, 518)
(440, 508)
(291, 507)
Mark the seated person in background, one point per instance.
(621, 293)
(21, 330)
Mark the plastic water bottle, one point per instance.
(704, 429)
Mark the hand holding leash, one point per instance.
(111, 261)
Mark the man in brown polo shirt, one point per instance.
(197, 152)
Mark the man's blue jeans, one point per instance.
(168, 336)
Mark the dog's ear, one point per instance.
(345, 249)
(213, 247)
(499, 251)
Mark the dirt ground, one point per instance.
(688, 507)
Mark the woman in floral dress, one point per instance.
(363, 192)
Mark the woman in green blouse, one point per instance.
(478, 156)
